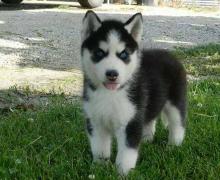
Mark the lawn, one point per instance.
(49, 142)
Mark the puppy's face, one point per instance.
(110, 50)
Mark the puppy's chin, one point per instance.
(113, 86)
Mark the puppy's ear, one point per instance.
(134, 26)
(91, 23)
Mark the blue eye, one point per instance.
(123, 55)
(99, 54)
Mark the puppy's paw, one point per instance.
(126, 161)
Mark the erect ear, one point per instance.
(134, 26)
(91, 23)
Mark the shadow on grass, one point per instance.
(23, 99)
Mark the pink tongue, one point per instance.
(111, 86)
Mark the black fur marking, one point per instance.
(161, 78)
(134, 133)
(124, 58)
(85, 94)
(92, 42)
(87, 84)
(92, 86)
(89, 126)
(98, 55)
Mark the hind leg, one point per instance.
(149, 130)
(175, 124)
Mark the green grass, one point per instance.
(50, 142)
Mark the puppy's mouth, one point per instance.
(111, 85)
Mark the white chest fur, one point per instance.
(109, 109)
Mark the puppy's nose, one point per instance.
(111, 75)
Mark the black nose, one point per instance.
(111, 75)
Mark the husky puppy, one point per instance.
(126, 89)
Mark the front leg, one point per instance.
(100, 141)
(128, 139)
